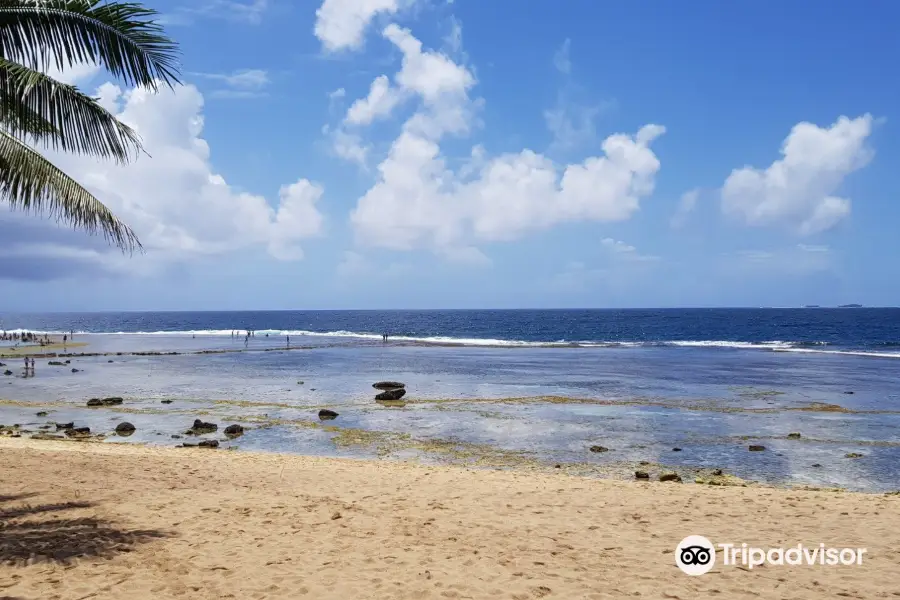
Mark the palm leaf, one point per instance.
(28, 181)
(122, 36)
(19, 119)
(77, 123)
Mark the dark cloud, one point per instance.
(35, 248)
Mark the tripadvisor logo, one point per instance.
(696, 555)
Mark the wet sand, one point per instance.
(88, 520)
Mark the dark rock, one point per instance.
(853, 455)
(234, 430)
(75, 370)
(557, 466)
(848, 393)
(187, 445)
(394, 394)
(109, 361)
(2, 364)
(641, 475)
(209, 444)
(175, 436)
(676, 449)
(199, 428)
(68, 361)
(56, 363)
(794, 436)
(105, 401)
(718, 473)
(670, 477)
(327, 415)
(78, 431)
(756, 448)
(60, 426)
(388, 385)
(644, 462)
(125, 428)
(816, 466)
(599, 449)
(42, 413)
(167, 401)
(7, 372)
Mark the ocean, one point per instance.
(687, 390)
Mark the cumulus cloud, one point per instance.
(342, 24)
(433, 76)
(179, 207)
(799, 189)
(419, 201)
(380, 102)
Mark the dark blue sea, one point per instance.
(863, 330)
(685, 390)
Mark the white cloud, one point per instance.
(243, 83)
(348, 146)
(571, 124)
(379, 103)
(179, 207)
(798, 189)
(440, 82)
(418, 201)
(74, 74)
(686, 205)
(341, 24)
(561, 59)
(622, 251)
(230, 10)
(453, 39)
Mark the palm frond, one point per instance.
(121, 36)
(28, 181)
(19, 119)
(71, 120)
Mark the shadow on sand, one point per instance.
(38, 533)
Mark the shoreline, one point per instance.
(110, 520)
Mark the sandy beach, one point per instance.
(85, 520)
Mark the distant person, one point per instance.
(288, 341)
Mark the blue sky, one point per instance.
(434, 154)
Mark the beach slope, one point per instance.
(84, 520)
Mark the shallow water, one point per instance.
(512, 405)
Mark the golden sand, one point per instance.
(98, 521)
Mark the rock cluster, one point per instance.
(114, 401)
(199, 428)
(391, 390)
